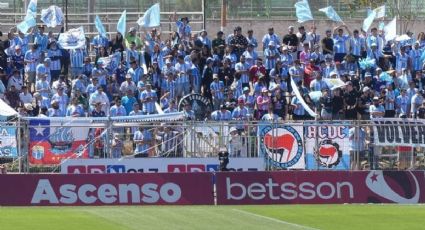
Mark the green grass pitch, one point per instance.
(275, 217)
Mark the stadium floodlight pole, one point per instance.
(223, 14)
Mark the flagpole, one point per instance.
(66, 15)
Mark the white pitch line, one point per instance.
(275, 220)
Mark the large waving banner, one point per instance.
(51, 141)
(399, 132)
(327, 146)
(282, 146)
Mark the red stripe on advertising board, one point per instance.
(320, 187)
(107, 189)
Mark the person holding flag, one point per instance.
(340, 40)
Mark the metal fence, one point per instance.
(354, 142)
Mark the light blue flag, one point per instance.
(368, 21)
(303, 12)
(122, 23)
(72, 39)
(25, 25)
(29, 20)
(331, 13)
(99, 26)
(32, 9)
(152, 17)
(52, 16)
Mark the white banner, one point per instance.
(399, 132)
(161, 165)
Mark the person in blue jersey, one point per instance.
(41, 40)
(75, 109)
(143, 138)
(340, 42)
(55, 55)
(77, 61)
(32, 59)
(148, 98)
(221, 114)
(217, 91)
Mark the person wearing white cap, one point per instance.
(374, 53)
(271, 54)
(376, 109)
(250, 55)
(18, 59)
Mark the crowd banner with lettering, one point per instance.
(399, 132)
(8, 146)
(327, 146)
(282, 146)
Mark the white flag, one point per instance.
(72, 39)
(391, 30)
(380, 12)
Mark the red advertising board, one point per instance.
(107, 189)
(321, 187)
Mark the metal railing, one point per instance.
(187, 139)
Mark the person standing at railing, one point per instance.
(417, 101)
(144, 141)
(221, 114)
(357, 137)
(148, 98)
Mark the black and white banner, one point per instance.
(399, 132)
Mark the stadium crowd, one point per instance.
(381, 78)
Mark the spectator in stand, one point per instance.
(32, 58)
(75, 109)
(239, 42)
(252, 40)
(222, 114)
(270, 36)
(291, 41)
(340, 42)
(376, 109)
(328, 43)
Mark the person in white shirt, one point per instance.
(16, 80)
(100, 97)
(25, 97)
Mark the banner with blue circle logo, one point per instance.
(282, 145)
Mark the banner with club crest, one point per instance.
(281, 145)
(327, 146)
(52, 140)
